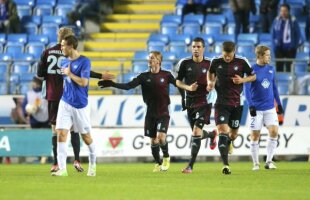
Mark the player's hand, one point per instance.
(193, 87)
(252, 111)
(210, 86)
(237, 79)
(183, 104)
(105, 83)
(107, 76)
(280, 109)
(66, 71)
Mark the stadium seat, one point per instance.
(245, 47)
(35, 48)
(50, 29)
(14, 48)
(243, 37)
(2, 38)
(156, 46)
(176, 19)
(16, 37)
(31, 19)
(24, 57)
(169, 56)
(38, 38)
(173, 90)
(139, 67)
(186, 38)
(264, 37)
(50, 19)
(218, 47)
(24, 10)
(159, 37)
(177, 47)
(141, 56)
(300, 67)
(5, 57)
(213, 29)
(184, 55)
(21, 67)
(190, 18)
(43, 10)
(31, 28)
(27, 77)
(300, 56)
(230, 28)
(305, 48)
(1, 48)
(191, 28)
(46, 2)
(30, 3)
(283, 88)
(3, 89)
(169, 28)
(66, 2)
(167, 65)
(62, 10)
(3, 68)
(214, 18)
(24, 88)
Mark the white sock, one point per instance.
(254, 147)
(271, 146)
(62, 155)
(92, 154)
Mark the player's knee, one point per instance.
(162, 138)
(87, 139)
(62, 135)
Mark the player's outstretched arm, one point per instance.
(123, 86)
(104, 76)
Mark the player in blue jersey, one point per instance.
(260, 95)
(73, 107)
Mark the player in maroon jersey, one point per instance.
(191, 77)
(226, 74)
(155, 91)
(49, 70)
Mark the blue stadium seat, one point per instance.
(191, 28)
(25, 87)
(30, 3)
(38, 38)
(1, 48)
(21, 67)
(3, 78)
(213, 29)
(156, 46)
(176, 19)
(283, 77)
(264, 37)
(125, 78)
(223, 38)
(253, 37)
(186, 38)
(43, 10)
(245, 47)
(14, 79)
(3, 67)
(190, 18)
(24, 10)
(305, 47)
(214, 18)
(3, 89)
(184, 55)
(173, 89)
(14, 48)
(35, 48)
(141, 56)
(301, 67)
(52, 19)
(177, 47)
(62, 10)
(283, 88)
(31, 28)
(2, 38)
(31, 19)
(24, 57)
(218, 47)
(50, 29)
(167, 65)
(230, 28)
(300, 56)
(66, 2)
(5, 57)
(27, 77)
(169, 56)
(159, 37)
(46, 2)
(169, 28)
(16, 37)
(139, 67)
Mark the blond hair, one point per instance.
(260, 50)
(157, 55)
(63, 32)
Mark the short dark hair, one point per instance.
(72, 40)
(229, 46)
(199, 39)
(287, 6)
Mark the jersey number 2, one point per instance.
(54, 62)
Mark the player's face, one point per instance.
(65, 48)
(284, 12)
(266, 57)
(197, 49)
(153, 60)
(228, 56)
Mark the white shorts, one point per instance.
(77, 118)
(267, 118)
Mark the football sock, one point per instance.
(254, 147)
(164, 149)
(223, 147)
(54, 147)
(271, 146)
(75, 142)
(92, 154)
(62, 155)
(196, 142)
(207, 134)
(155, 153)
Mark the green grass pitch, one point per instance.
(137, 181)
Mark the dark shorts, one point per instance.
(52, 111)
(153, 125)
(199, 116)
(230, 115)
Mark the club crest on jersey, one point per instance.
(189, 69)
(265, 83)
(236, 68)
(148, 80)
(75, 66)
(270, 71)
(220, 67)
(222, 118)
(204, 71)
(162, 80)
(197, 115)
